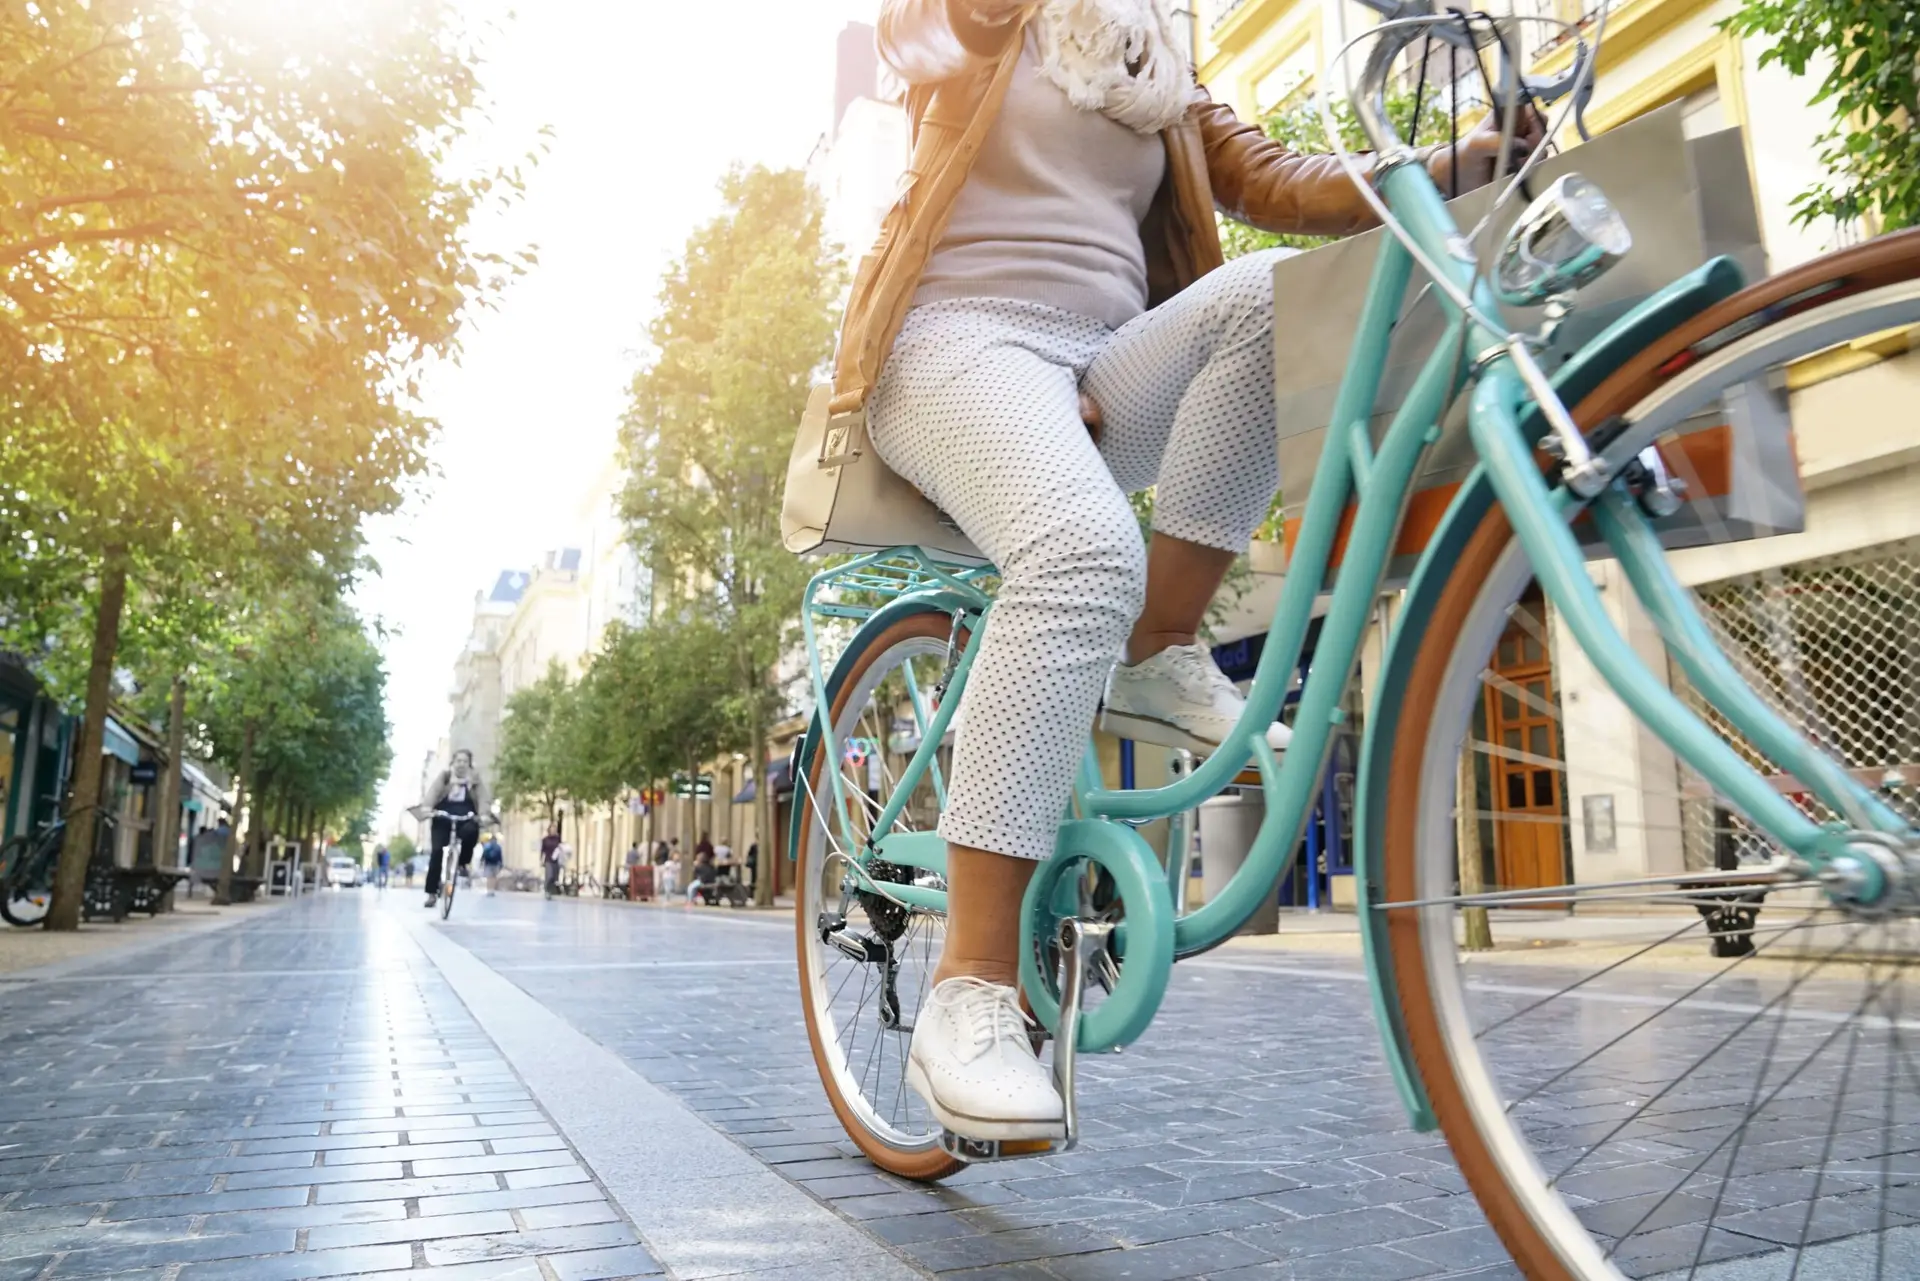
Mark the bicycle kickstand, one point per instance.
(1079, 944)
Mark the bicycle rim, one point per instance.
(1645, 1097)
(859, 1016)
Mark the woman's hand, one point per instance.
(1479, 152)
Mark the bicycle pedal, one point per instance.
(980, 1151)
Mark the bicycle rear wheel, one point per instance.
(449, 881)
(1627, 1104)
(866, 962)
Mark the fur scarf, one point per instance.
(1118, 57)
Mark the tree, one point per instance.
(298, 705)
(746, 318)
(529, 769)
(400, 849)
(226, 245)
(1870, 50)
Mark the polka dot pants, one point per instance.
(979, 408)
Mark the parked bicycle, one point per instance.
(1593, 442)
(27, 867)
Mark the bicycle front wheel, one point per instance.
(866, 962)
(447, 883)
(1679, 1069)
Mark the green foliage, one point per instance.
(400, 848)
(1299, 126)
(1870, 51)
(303, 671)
(658, 702)
(746, 318)
(529, 769)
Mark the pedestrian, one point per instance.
(410, 863)
(703, 846)
(383, 862)
(704, 873)
(634, 860)
(666, 869)
(549, 858)
(753, 864)
(492, 859)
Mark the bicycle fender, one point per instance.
(1658, 314)
(934, 600)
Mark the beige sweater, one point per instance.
(1052, 209)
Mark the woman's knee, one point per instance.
(1086, 548)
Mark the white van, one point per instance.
(342, 871)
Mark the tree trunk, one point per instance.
(166, 823)
(613, 832)
(255, 861)
(762, 811)
(76, 847)
(1467, 825)
(242, 806)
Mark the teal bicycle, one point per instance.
(1800, 1041)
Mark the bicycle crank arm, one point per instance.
(1081, 944)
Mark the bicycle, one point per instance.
(27, 866)
(1100, 928)
(451, 866)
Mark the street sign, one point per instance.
(702, 787)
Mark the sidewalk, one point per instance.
(24, 949)
(331, 1088)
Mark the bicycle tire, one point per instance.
(26, 888)
(1498, 1160)
(915, 1156)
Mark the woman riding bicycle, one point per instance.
(457, 791)
(1045, 326)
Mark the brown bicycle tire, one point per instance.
(1887, 260)
(930, 1164)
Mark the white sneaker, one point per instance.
(1178, 698)
(972, 1061)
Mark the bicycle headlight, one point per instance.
(1567, 237)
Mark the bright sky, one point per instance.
(649, 102)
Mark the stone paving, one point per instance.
(307, 1094)
(297, 1096)
(1252, 1133)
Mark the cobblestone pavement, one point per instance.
(297, 1096)
(1252, 1133)
(341, 1088)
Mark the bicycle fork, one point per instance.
(1081, 944)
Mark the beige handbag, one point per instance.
(842, 498)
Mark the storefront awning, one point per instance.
(120, 743)
(779, 773)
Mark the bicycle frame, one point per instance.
(1380, 478)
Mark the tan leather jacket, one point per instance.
(958, 71)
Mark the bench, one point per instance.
(115, 892)
(243, 888)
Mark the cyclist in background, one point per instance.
(458, 791)
(383, 862)
(1045, 328)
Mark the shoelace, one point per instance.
(1197, 665)
(992, 1012)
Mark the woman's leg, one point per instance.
(1186, 394)
(979, 410)
(437, 836)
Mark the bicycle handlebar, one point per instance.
(1404, 21)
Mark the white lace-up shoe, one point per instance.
(1178, 698)
(972, 1062)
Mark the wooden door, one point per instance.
(1525, 769)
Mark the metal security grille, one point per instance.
(1834, 645)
